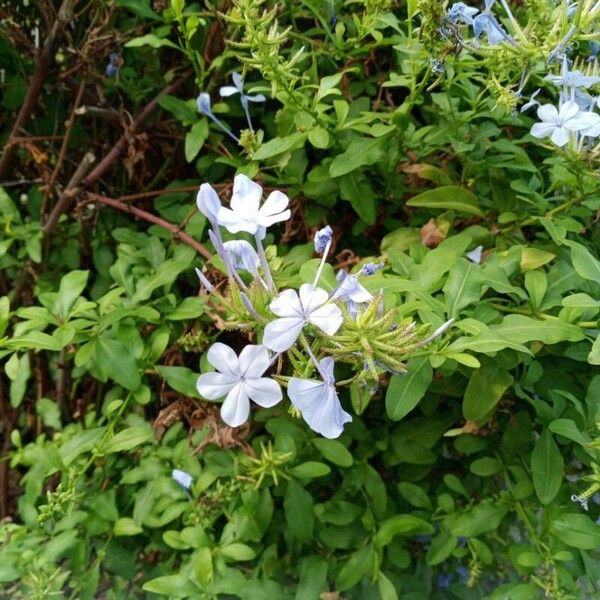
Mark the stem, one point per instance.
(150, 218)
(309, 351)
(223, 127)
(264, 263)
(322, 263)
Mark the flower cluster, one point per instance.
(310, 325)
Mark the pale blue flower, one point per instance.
(371, 268)
(243, 256)
(238, 88)
(318, 401)
(205, 108)
(487, 23)
(558, 124)
(208, 202)
(475, 255)
(531, 102)
(573, 78)
(459, 12)
(581, 499)
(297, 309)
(246, 212)
(205, 282)
(350, 289)
(239, 379)
(114, 64)
(182, 478)
(323, 238)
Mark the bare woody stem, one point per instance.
(150, 218)
(45, 59)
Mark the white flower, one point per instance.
(208, 202)
(243, 256)
(182, 478)
(559, 123)
(246, 214)
(295, 311)
(318, 402)
(240, 380)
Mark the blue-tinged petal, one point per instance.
(203, 104)
(281, 334)
(234, 222)
(228, 90)
(542, 130)
(213, 386)
(312, 297)
(208, 202)
(238, 82)
(224, 359)
(256, 98)
(243, 256)
(328, 318)
(560, 136)
(254, 360)
(266, 392)
(182, 478)
(287, 304)
(235, 410)
(246, 196)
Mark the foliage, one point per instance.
(473, 474)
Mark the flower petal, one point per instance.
(327, 318)
(266, 392)
(274, 209)
(208, 202)
(234, 222)
(236, 408)
(312, 297)
(246, 196)
(243, 255)
(567, 111)
(327, 365)
(228, 90)
(287, 304)
(319, 405)
(281, 334)
(256, 98)
(237, 81)
(254, 360)
(215, 385)
(224, 359)
(542, 130)
(560, 136)
(351, 289)
(548, 113)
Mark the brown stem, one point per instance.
(121, 143)
(63, 149)
(69, 192)
(46, 56)
(150, 218)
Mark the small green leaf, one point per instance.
(401, 525)
(280, 145)
(484, 390)
(125, 527)
(151, 40)
(360, 152)
(127, 439)
(195, 138)
(238, 552)
(448, 197)
(181, 379)
(586, 265)
(577, 530)
(405, 391)
(309, 470)
(547, 467)
(334, 452)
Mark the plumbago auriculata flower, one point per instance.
(296, 322)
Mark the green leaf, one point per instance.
(280, 145)
(238, 552)
(140, 8)
(536, 284)
(586, 265)
(116, 362)
(152, 40)
(401, 525)
(521, 329)
(463, 286)
(298, 507)
(334, 452)
(35, 340)
(18, 384)
(577, 530)
(594, 355)
(484, 390)
(327, 86)
(547, 467)
(309, 470)
(357, 566)
(71, 286)
(567, 428)
(318, 137)
(126, 527)
(181, 379)
(448, 197)
(171, 586)
(441, 548)
(195, 138)
(481, 518)
(405, 391)
(485, 466)
(127, 439)
(80, 443)
(360, 152)
(203, 566)
(415, 495)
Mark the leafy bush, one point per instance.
(457, 454)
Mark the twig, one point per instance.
(98, 111)
(69, 192)
(150, 218)
(63, 148)
(121, 143)
(46, 56)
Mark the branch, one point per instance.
(121, 143)
(46, 56)
(150, 218)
